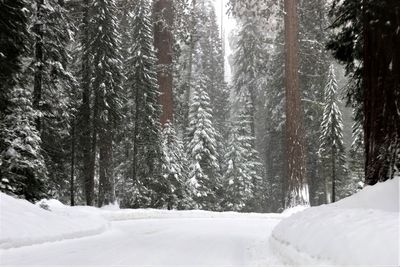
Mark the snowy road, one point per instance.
(159, 242)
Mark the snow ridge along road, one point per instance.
(160, 242)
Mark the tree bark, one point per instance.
(72, 174)
(106, 183)
(192, 45)
(333, 173)
(381, 89)
(85, 112)
(297, 189)
(163, 42)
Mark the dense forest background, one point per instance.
(126, 100)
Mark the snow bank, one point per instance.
(22, 223)
(360, 230)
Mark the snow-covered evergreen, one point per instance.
(147, 187)
(332, 148)
(174, 168)
(106, 85)
(201, 149)
(22, 167)
(243, 181)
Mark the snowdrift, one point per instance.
(23, 224)
(360, 230)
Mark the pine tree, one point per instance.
(313, 21)
(53, 86)
(107, 90)
(22, 167)
(201, 150)
(174, 168)
(148, 188)
(275, 127)
(248, 61)
(332, 149)
(243, 177)
(13, 39)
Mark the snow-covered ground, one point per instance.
(360, 230)
(131, 237)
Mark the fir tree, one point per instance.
(243, 177)
(107, 90)
(53, 87)
(174, 168)
(148, 188)
(248, 61)
(201, 150)
(22, 167)
(332, 149)
(13, 41)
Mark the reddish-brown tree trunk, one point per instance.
(297, 190)
(163, 41)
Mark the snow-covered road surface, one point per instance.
(159, 242)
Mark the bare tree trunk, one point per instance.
(85, 123)
(106, 194)
(163, 41)
(72, 174)
(333, 173)
(192, 44)
(297, 191)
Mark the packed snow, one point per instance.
(140, 237)
(360, 230)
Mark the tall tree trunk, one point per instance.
(85, 112)
(381, 89)
(72, 174)
(163, 41)
(106, 183)
(192, 45)
(297, 189)
(39, 60)
(333, 173)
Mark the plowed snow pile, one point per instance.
(360, 230)
(22, 223)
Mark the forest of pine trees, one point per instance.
(105, 101)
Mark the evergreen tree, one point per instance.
(84, 120)
(313, 20)
(243, 177)
(297, 187)
(148, 188)
(13, 41)
(22, 167)
(366, 33)
(53, 86)
(332, 149)
(174, 168)
(107, 90)
(275, 123)
(248, 60)
(201, 150)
